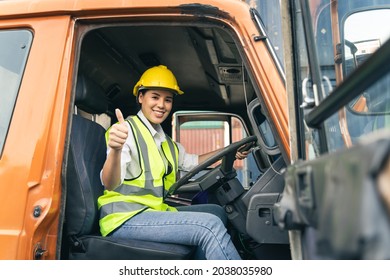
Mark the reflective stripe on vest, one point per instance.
(146, 191)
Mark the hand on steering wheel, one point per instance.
(228, 156)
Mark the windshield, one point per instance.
(345, 33)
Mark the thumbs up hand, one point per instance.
(118, 132)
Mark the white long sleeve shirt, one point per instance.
(130, 165)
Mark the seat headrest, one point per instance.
(90, 97)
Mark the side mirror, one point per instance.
(363, 32)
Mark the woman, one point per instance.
(142, 164)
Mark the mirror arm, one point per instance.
(339, 54)
(351, 46)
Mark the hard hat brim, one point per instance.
(174, 91)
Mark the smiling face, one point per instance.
(156, 104)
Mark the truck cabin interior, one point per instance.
(207, 62)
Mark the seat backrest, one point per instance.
(90, 97)
(87, 153)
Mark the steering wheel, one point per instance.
(227, 155)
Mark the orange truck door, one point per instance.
(34, 65)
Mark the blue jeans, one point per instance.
(197, 225)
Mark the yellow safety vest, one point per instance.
(145, 192)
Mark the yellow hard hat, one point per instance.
(157, 77)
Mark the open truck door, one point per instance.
(336, 201)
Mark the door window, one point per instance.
(362, 30)
(14, 48)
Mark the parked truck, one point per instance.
(291, 80)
